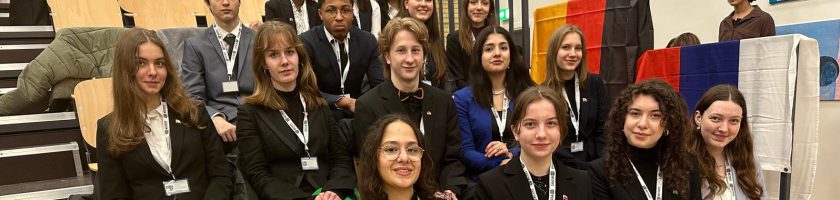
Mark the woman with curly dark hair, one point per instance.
(646, 155)
(393, 164)
(722, 143)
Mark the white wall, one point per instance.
(702, 17)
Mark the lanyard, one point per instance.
(302, 135)
(342, 69)
(166, 130)
(229, 60)
(730, 179)
(645, 187)
(500, 121)
(575, 120)
(552, 188)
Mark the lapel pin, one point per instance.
(429, 113)
(584, 100)
(565, 197)
(177, 121)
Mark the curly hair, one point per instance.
(739, 151)
(672, 157)
(370, 181)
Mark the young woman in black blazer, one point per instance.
(157, 143)
(288, 140)
(584, 92)
(403, 44)
(538, 124)
(459, 44)
(646, 155)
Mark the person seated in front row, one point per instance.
(538, 123)
(395, 164)
(343, 55)
(497, 76)
(646, 156)
(288, 141)
(403, 44)
(723, 144)
(157, 143)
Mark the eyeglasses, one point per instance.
(331, 12)
(392, 152)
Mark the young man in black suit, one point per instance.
(303, 15)
(343, 55)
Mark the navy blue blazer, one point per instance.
(476, 124)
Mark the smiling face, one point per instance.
(720, 124)
(282, 63)
(402, 171)
(225, 11)
(643, 123)
(405, 57)
(495, 54)
(478, 11)
(538, 132)
(420, 9)
(570, 52)
(151, 70)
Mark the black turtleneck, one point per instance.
(477, 31)
(293, 107)
(646, 161)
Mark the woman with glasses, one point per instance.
(723, 144)
(538, 123)
(157, 143)
(403, 44)
(483, 108)
(288, 140)
(393, 163)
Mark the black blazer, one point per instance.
(593, 114)
(509, 182)
(602, 188)
(364, 61)
(365, 17)
(197, 155)
(281, 10)
(269, 154)
(441, 126)
(457, 60)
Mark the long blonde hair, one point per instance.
(553, 72)
(271, 34)
(127, 122)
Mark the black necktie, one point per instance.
(230, 39)
(342, 55)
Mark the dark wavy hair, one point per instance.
(740, 150)
(673, 157)
(517, 78)
(370, 181)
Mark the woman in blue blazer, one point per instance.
(497, 74)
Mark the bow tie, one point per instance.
(411, 95)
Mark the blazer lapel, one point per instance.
(515, 179)
(326, 45)
(289, 140)
(214, 40)
(244, 50)
(389, 96)
(146, 158)
(566, 184)
(176, 135)
(426, 109)
(634, 189)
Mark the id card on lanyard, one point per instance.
(308, 162)
(231, 85)
(174, 186)
(577, 145)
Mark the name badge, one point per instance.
(230, 86)
(427, 82)
(309, 163)
(174, 187)
(577, 147)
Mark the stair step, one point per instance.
(9, 73)
(26, 35)
(20, 53)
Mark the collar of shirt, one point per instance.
(236, 30)
(755, 12)
(157, 112)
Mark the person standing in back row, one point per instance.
(746, 21)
